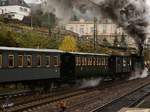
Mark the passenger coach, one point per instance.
(23, 64)
(77, 66)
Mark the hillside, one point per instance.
(23, 36)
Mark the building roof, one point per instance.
(14, 2)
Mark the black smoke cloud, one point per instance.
(132, 15)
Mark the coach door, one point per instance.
(67, 66)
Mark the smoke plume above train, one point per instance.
(132, 15)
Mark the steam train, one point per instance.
(44, 67)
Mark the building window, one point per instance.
(20, 61)
(4, 3)
(25, 10)
(47, 61)
(21, 9)
(39, 61)
(11, 61)
(104, 28)
(21, 2)
(92, 30)
(0, 60)
(29, 60)
(71, 28)
(81, 31)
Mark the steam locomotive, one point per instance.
(44, 67)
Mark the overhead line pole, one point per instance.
(95, 33)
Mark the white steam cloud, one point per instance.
(139, 73)
(90, 82)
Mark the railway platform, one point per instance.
(134, 110)
(145, 103)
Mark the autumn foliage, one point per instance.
(69, 44)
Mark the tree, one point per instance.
(69, 44)
(85, 47)
(7, 38)
(35, 40)
(123, 41)
(105, 42)
(116, 42)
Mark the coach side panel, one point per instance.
(23, 66)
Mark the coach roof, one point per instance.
(47, 50)
(81, 53)
(30, 49)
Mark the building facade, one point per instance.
(106, 30)
(14, 9)
(147, 42)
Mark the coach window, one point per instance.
(80, 61)
(130, 61)
(47, 61)
(103, 61)
(97, 61)
(20, 61)
(0, 60)
(11, 61)
(55, 61)
(94, 61)
(85, 61)
(29, 60)
(77, 61)
(88, 60)
(106, 61)
(39, 60)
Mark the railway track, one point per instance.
(41, 101)
(104, 98)
(53, 97)
(128, 100)
(15, 94)
(97, 98)
(78, 100)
